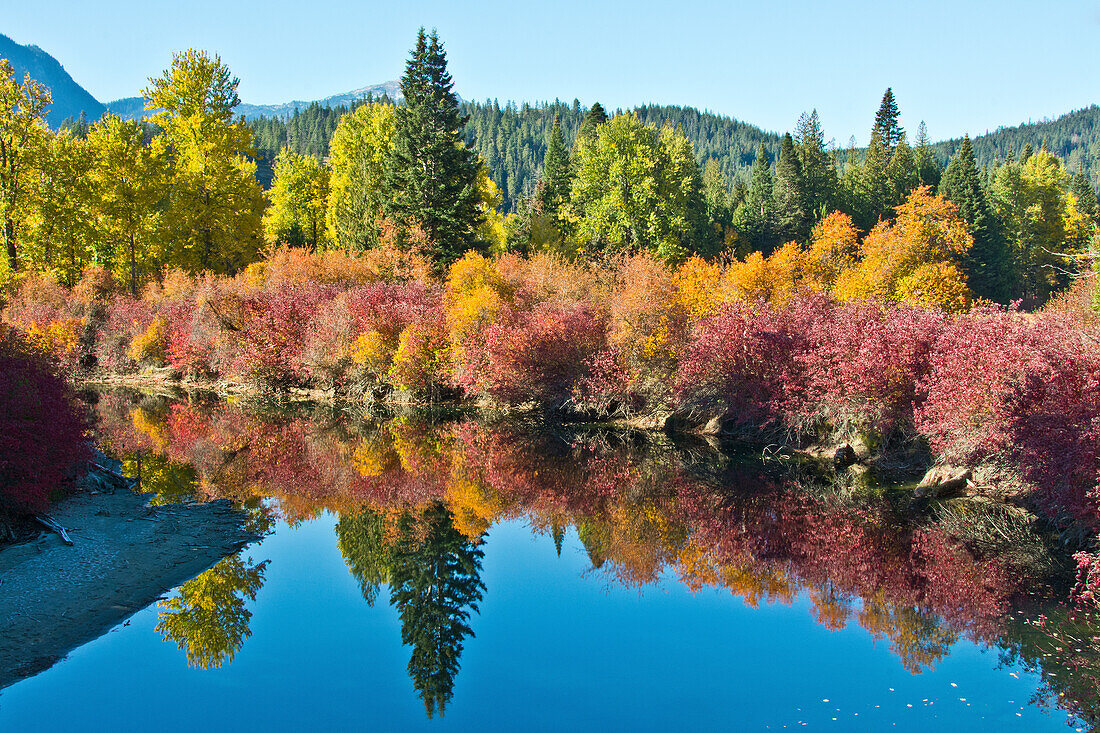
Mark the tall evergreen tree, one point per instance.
(874, 192)
(592, 120)
(818, 170)
(1083, 191)
(886, 123)
(928, 168)
(791, 220)
(755, 217)
(432, 175)
(988, 263)
(902, 172)
(555, 170)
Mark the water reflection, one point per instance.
(207, 618)
(415, 499)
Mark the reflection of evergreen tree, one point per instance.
(362, 543)
(208, 618)
(435, 583)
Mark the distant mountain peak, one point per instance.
(69, 98)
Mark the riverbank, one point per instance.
(125, 555)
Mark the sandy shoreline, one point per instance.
(55, 598)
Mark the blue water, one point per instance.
(557, 647)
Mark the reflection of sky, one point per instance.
(555, 649)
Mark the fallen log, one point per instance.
(50, 523)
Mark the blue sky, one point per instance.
(963, 66)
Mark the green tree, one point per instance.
(875, 191)
(988, 264)
(590, 124)
(902, 173)
(818, 172)
(213, 219)
(716, 198)
(432, 174)
(555, 170)
(792, 223)
(755, 216)
(131, 179)
(1040, 220)
(359, 152)
(299, 197)
(638, 188)
(1085, 196)
(207, 617)
(928, 168)
(436, 583)
(23, 137)
(886, 126)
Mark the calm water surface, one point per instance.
(457, 576)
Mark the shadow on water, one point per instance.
(416, 495)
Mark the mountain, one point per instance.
(69, 98)
(1074, 137)
(134, 107)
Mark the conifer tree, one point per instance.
(886, 123)
(988, 263)
(791, 220)
(874, 192)
(555, 170)
(592, 120)
(928, 168)
(1083, 191)
(902, 173)
(755, 217)
(818, 170)
(432, 174)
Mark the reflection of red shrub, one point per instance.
(41, 434)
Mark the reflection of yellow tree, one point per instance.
(207, 618)
(915, 636)
(168, 481)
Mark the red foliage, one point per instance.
(41, 432)
(1023, 390)
(542, 357)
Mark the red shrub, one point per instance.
(1025, 390)
(41, 433)
(543, 357)
(125, 320)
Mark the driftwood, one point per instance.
(51, 524)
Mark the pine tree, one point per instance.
(902, 173)
(886, 123)
(755, 217)
(1083, 191)
(988, 263)
(555, 170)
(431, 178)
(818, 171)
(874, 192)
(791, 220)
(592, 120)
(928, 168)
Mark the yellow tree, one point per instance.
(914, 258)
(130, 178)
(59, 227)
(1041, 219)
(213, 219)
(23, 134)
(299, 195)
(358, 152)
